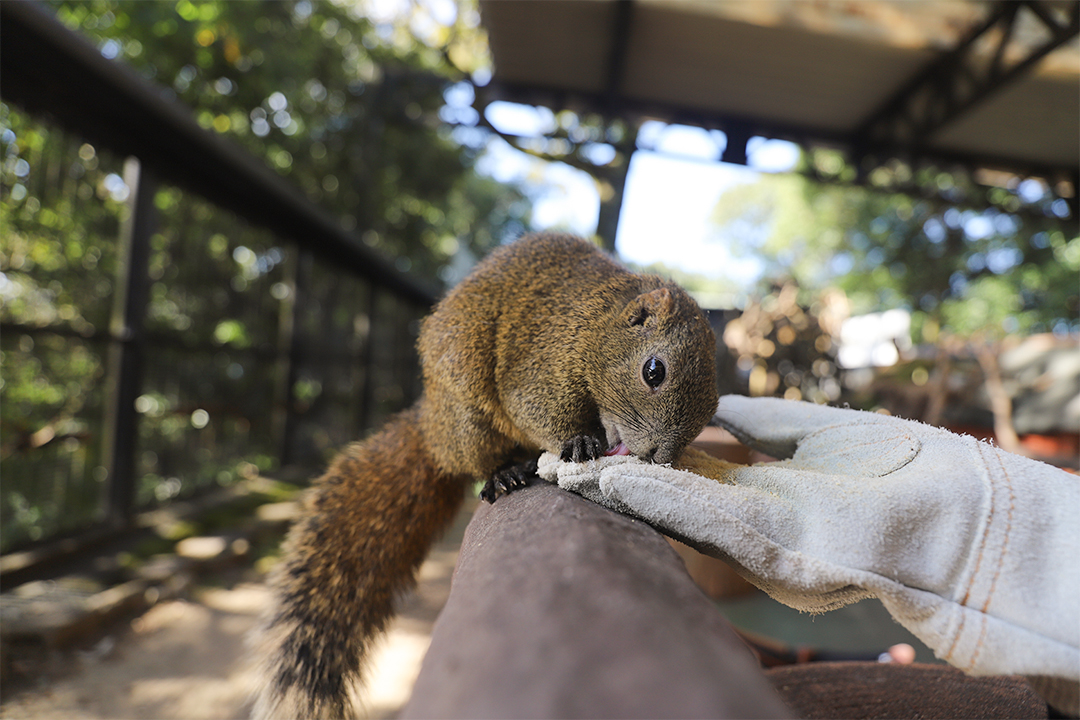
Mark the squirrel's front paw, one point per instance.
(507, 480)
(581, 449)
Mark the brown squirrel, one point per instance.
(548, 345)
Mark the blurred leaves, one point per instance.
(52, 270)
(346, 105)
(786, 350)
(349, 107)
(1008, 264)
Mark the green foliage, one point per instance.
(346, 108)
(780, 220)
(1007, 266)
(986, 303)
(61, 204)
(58, 257)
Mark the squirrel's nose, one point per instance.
(650, 454)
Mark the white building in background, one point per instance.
(874, 340)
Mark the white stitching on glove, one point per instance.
(971, 548)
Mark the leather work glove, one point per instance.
(972, 549)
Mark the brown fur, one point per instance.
(542, 343)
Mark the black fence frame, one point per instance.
(52, 72)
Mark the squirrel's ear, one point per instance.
(647, 306)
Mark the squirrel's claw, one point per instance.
(508, 479)
(582, 448)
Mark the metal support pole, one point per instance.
(961, 79)
(737, 137)
(1074, 199)
(290, 338)
(615, 174)
(367, 354)
(127, 348)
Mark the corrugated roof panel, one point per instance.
(808, 70)
(1036, 120)
(779, 73)
(562, 44)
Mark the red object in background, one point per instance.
(1060, 449)
(1056, 445)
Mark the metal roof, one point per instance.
(984, 84)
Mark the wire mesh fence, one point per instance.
(252, 353)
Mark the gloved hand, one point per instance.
(971, 548)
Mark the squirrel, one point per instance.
(548, 345)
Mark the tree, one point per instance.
(352, 115)
(972, 274)
(591, 143)
(893, 249)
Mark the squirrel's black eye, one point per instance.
(653, 372)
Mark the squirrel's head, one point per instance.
(656, 374)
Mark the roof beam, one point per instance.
(740, 129)
(558, 98)
(962, 79)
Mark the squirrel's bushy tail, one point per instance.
(364, 528)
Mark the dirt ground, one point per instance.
(188, 659)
